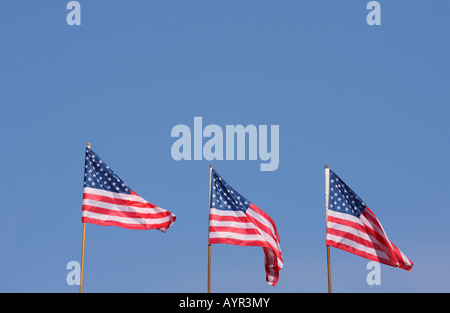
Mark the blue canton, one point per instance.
(98, 175)
(343, 199)
(223, 197)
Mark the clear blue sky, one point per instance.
(135, 69)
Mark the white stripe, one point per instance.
(231, 224)
(126, 220)
(371, 225)
(363, 221)
(115, 195)
(243, 237)
(262, 220)
(351, 230)
(270, 238)
(121, 208)
(227, 212)
(353, 244)
(345, 216)
(354, 231)
(263, 238)
(230, 235)
(405, 258)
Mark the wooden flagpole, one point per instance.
(82, 248)
(327, 190)
(82, 258)
(209, 245)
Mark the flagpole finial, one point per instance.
(210, 166)
(89, 145)
(326, 166)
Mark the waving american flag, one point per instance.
(108, 201)
(353, 227)
(235, 220)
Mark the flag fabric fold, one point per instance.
(108, 201)
(235, 220)
(353, 227)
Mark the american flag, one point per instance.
(108, 201)
(353, 227)
(235, 220)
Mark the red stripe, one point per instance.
(380, 236)
(267, 217)
(380, 242)
(375, 223)
(357, 239)
(246, 231)
(271, 267)
(263, 227)
(400, 259)
(118, 201)
(258, 224)
(227, 218)
(355, 251)
(268, 231)
(128, 226)
(361, 228)
(239, 242)
(104, 211)
(262, 243)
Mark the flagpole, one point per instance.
(327, 190)
(209, 245)
(82, 248)
(82, 258)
